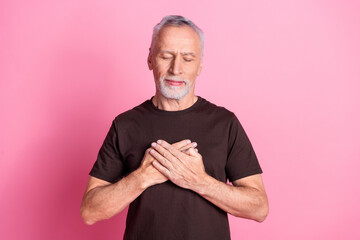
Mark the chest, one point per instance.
(211, 137)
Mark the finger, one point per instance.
(163, 145)
(148, 151)
(147, 156)
(164, 152)
(187, 147)
(161, 168)
(182, 144)
(156, 153)
(186, 151)
(194, 152)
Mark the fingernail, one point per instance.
(194, 144)
(188, 141)
(152, 151)
(159, 141)
(153, 144)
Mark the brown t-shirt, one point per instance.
(166, 211)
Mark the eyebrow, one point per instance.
(183, 53)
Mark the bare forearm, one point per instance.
(246, 199)
(104, 202)
(245, 202)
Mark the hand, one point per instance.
(151, 175)
(184, 169)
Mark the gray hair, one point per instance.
(176, 20)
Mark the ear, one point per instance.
(200, 68)
(149, 60)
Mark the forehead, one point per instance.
(178, 38)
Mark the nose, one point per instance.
(176, 67)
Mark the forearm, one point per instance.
(240, 201)
(104, 202)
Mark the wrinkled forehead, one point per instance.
(182, 37)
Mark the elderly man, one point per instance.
(170, 157)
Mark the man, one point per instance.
(171, 156)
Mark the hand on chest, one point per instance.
(212, 144)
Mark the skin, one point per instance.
(176, 55)
(246, 198)
(102, 200)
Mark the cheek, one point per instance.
(193, 72)
(162, 68)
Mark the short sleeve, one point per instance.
(242, 160)
(109, 164)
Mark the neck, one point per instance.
(168, 104)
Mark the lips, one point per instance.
(173, 82)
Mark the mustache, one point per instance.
(175, 78)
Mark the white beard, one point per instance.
(174, 92)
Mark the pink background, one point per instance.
(290, 70)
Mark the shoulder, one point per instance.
(133, 115)
(217, 111)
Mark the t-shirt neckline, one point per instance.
(198, 102)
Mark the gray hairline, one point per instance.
(178, 21)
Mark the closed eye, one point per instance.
(165, 58)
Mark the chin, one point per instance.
(176, 94)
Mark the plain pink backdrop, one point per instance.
(290, 70)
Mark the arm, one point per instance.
(103, 200)
(247, 198)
